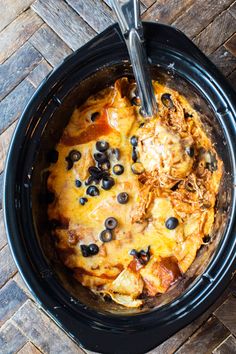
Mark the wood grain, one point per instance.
(230, 44)
(18, 32)
(232, 79)
(12, 105)
(96, 13)
(226, 313)
(228, 346)
(50, 45)
(148, 3)
(1, 191)
(37, 326)
(159, 11)
(17, 67)
(20, 282)
(224, 60)
(11, 339)
(232, 10)
(174, 342)
(39, 73)
(10, 9)
(199, 15)
(29, 348)
(211, 38)
(211, 334)
(11, 298)
(64, 21)
(7, 265)
(5, 139)
(3, 237)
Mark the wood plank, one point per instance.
(216, 33)
(98, 15)
(224, 60)
(10, 9)
(20, 282)
(5, 139)
(3, 236)
(37, 326)
(226, 313)
(29, 348)
(174, 342)
(39, 73)
(142, 6)
(232, 79)
(148, 3)
(230, 45)
(228, 346)
(17, 67)
(166, 12)
(232, 10)
(47, 42)
(11, 339)
(199, 15)
(64, 21)
(11, 298)
(7, 265)
(12, 105)
(18, 32)
(1, 190)
(210, 335)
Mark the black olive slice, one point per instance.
(104, 166)
(118, 169)
(142, 256)
(134, 140)
(74, 155)
(172, 223)
(116, 152)
(107, 183)
(134, 155)
(93, 249)
(83, 201)
(93, 191)
(123, 198)
(137, 168)
(102, 145)
(106, 235)
(100, 157)
(85, 250)
(69, 163)
(111, 223)
(78, 183)
(167, 101)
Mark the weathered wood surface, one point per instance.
(36, 36)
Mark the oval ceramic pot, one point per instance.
(97, 325)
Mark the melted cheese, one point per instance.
(162, 144)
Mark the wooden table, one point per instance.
(35, 36)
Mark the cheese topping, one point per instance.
(157, 179)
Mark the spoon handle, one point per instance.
(128, 16)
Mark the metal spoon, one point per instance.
(128, 16)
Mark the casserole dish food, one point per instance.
(131, 199)
(96, 324)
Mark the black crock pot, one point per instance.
(97, 325)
